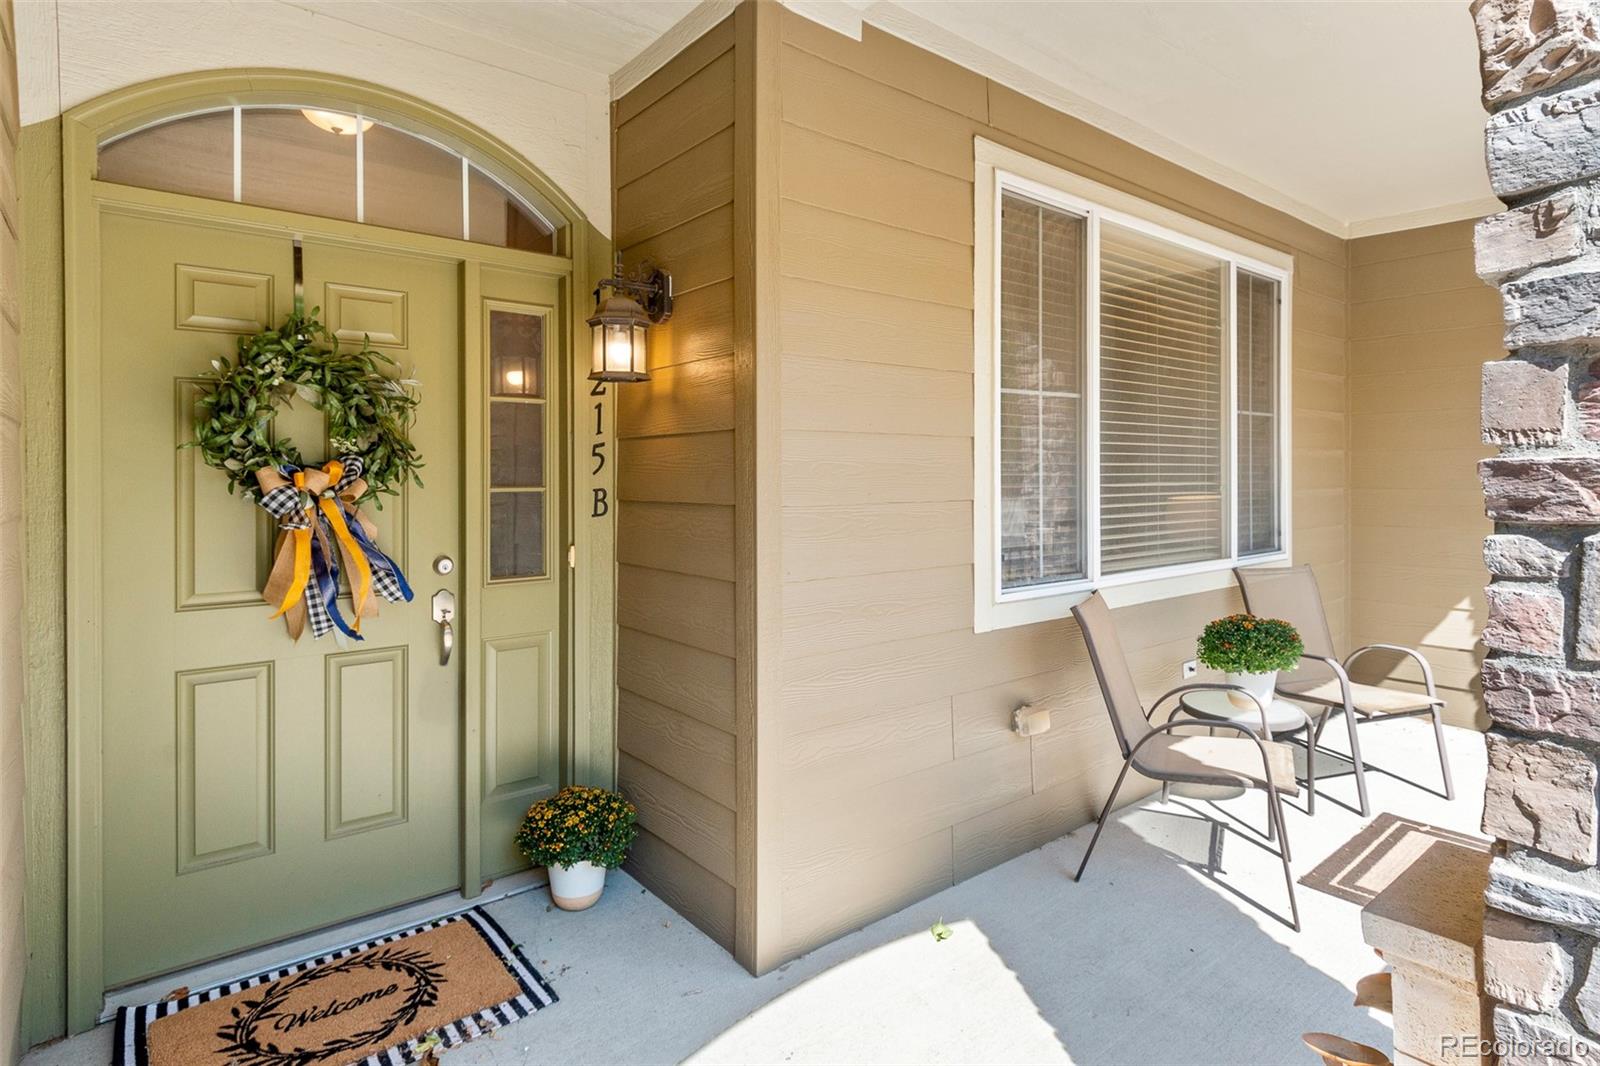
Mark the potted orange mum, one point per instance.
(577, 835)
(1251, 650)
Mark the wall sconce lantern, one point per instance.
(622, 321)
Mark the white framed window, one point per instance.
(1131, 396)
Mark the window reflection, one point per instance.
(516, 443)
(288, 163)
(326, 163)
(498, 219)
(192, 156)
(411, 184)
(516, 535)
(516, 354)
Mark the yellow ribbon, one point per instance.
(302, 557)
(291, 570)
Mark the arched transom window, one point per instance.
(331, 164)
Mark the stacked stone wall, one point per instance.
(1541, 407)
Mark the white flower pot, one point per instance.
(1260, 684)
(576, 887)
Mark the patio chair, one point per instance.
(1159, 753)
(1290, 593)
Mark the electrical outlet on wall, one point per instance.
(1190, 668)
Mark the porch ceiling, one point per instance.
(595, 35)
(1356, 117)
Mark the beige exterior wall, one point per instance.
(673, 139)
(13, 939)
(897, 772)
(1421, 327)
(808, 571)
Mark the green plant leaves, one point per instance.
(579, 824)
(1249, 644)
(369, 412)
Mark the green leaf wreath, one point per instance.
(369, 412)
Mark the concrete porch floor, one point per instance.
(1149, 959)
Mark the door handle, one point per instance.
(447, 643)
(444, 610)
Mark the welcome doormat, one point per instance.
(384, 1002)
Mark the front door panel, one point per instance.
(254, 787)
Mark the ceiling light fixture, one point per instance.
(337, 122)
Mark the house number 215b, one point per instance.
(597, 451)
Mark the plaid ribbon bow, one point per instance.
(321, 526)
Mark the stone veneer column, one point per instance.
(1541, 405)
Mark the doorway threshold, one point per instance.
(284, 953)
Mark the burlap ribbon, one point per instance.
(320, 527)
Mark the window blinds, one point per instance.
(1257, 317)
(1162, 459)
(1042, 282)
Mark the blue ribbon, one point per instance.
(377, 559)
(293, 510)
(325, 572)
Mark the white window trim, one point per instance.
(998, 168)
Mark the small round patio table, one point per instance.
(1283, 719)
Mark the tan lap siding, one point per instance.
(673, 144)
(1421, 326)
(898, 772)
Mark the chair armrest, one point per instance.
(1266, 764)
(1338, 672)
(1214, 686)
(1427, 671)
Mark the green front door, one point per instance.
(254, 787)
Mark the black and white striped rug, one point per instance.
(384, 1002)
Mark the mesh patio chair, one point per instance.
(1290, 593)
(1161, 754)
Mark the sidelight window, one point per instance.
(517, 437)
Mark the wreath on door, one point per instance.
(322, 530)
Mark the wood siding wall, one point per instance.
(897, 772)
(13, 865)
(1421, 326)
(673, 154)
(887, 767)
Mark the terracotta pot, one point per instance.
(577, 887)
(1337, 1051)
(1261, 684)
